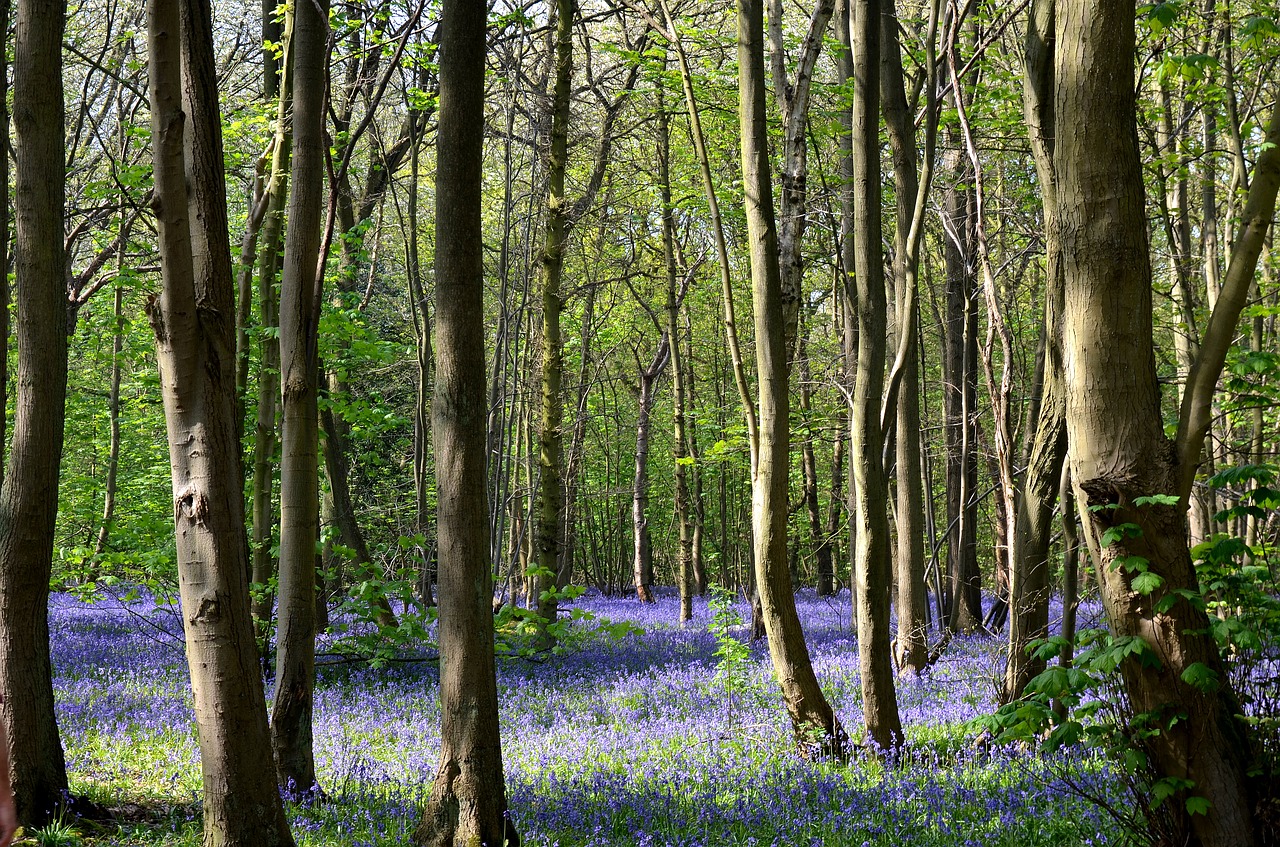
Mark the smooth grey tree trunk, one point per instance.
(195, 349)
(1117, 446)
(468, 803)
(300, 296)
(270, 242)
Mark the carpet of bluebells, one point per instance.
(620, 741)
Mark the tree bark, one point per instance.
(468, 803)
(1029, 574)
(29, 495)
(300, 293)
(195, 348)
(642, 543)
(960, 396)
(911, 191)
(549, 531)
(1117, 447)
(6, 328)
(681, 453)
(270, 241)
(793, 101)
(870, 489)
(811, 716)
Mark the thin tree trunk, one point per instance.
(550, 528)
(113, 414)
(1029, 573)
(809, 463)
(846, 288)
(698, 560)
(811, 715)
(468, 803)
(420, 308)
(911, 190)
(793, 102)
(270, 241)
(195, 350)
(300, 292)
(717, 226)
(960, 368)
(29, 495)
(870, 489)
(642, 558)
(685, 569)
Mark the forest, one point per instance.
(640, 422)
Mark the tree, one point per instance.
(1129, 479)
(1029, 574)
(468, 799)
(271, 237)
(29, 494)
(866, 466)
(642, 542)
(195, 349)
(300, 292)
(811, 715)
(911, 189)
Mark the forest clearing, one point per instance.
(650, 422)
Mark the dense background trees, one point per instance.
(913, 375)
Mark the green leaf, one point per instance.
(1201, 676)
(1157, 500)
(1198, 805)
(1147, 581)
(1119, 532)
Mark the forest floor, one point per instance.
(621, 741)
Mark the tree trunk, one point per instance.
(960, 395)
(549, 533)
(6, 328)
(809, 463)
(1029, 571)
(870, 487)
(811, 716)
(681, 453)
(420, 308)
(195, 348)
(468, 802)
(793, 101)
(642, 558)
(301, 281)
(912, 649)
(29, 495)
(1117, 446)
(846, 288)
(113, 413)
(698, 516)
(270, 241)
